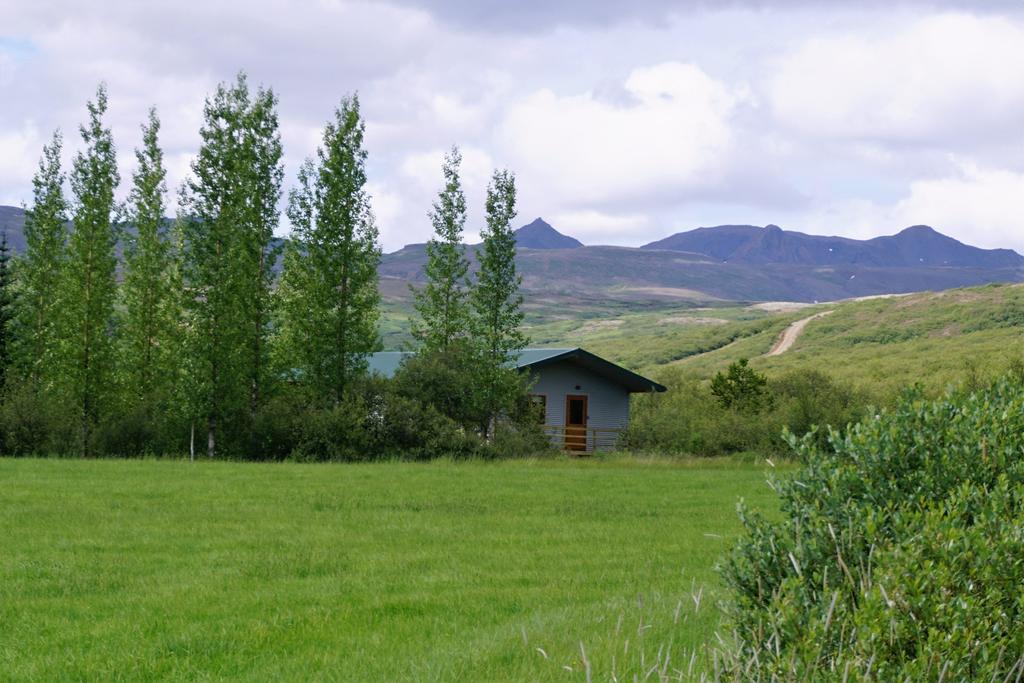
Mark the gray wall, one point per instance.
(607, 402)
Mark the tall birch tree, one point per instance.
(89, 285)
(38, 273)
(329, 290)
(261, 173)
(442, 304)
(228, 215)
(149, 331)
(6, 310)
(496, 300)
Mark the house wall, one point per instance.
(607, 402)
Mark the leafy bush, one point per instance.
(31, 423)
(517, 439)
(134, 431)
(411, 430)
(691, 419)
(446, 382)
(807, 399)
(336, 433)
(881, 336)
(741, 388)
(430, 410)
(899, 554)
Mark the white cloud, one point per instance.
(672, 134)
(983, 207)
(19, 155)
(424, 169)
(596, 227)
(7, 68)
(980, 206)
(940, 81)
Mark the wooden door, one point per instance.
(575, 423)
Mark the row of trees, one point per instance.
(191, 332)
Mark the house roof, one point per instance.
(386, 363)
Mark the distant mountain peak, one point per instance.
(540, 235)
(916, 246)
(921, 231)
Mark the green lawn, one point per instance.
(157, 569)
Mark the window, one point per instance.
(539, 404)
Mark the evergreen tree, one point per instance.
(150, 299)
(329, 293)
(6, 310)
(229, 212)
(443, 304)
(89, 286)
(496, 301)
(39, 270)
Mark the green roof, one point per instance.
(386, 363)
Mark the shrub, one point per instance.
(809, 399)
(518, 440)
(31, 423)
(446, 382)
(134, 431)
(274, 431)
(411, 430)
(741, 388)
(898, 556)
(690, 419)
(336, 433)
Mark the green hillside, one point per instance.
(881, 344)
(885, 344)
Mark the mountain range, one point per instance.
(707, 265)
(916, 246)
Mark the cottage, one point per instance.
(582, 398)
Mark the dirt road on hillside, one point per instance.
(792, 333)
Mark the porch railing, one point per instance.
(582, 439)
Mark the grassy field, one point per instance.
(528, 570)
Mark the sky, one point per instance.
(624, 122)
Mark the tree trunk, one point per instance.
(211, 428)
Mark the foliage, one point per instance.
(899, 554)
(39, 271)
(690, 419)
(7, 311)
(741, 388)
(447, 381)
(497, 304)
(136, 431)
(442, 304)
(229, 211)
(329, 299)
(811, 400)
(149, 331)
(335, 433)
(34, 422)
(89, 287)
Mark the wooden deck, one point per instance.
(582, 439)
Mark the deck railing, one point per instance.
(582, 439)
